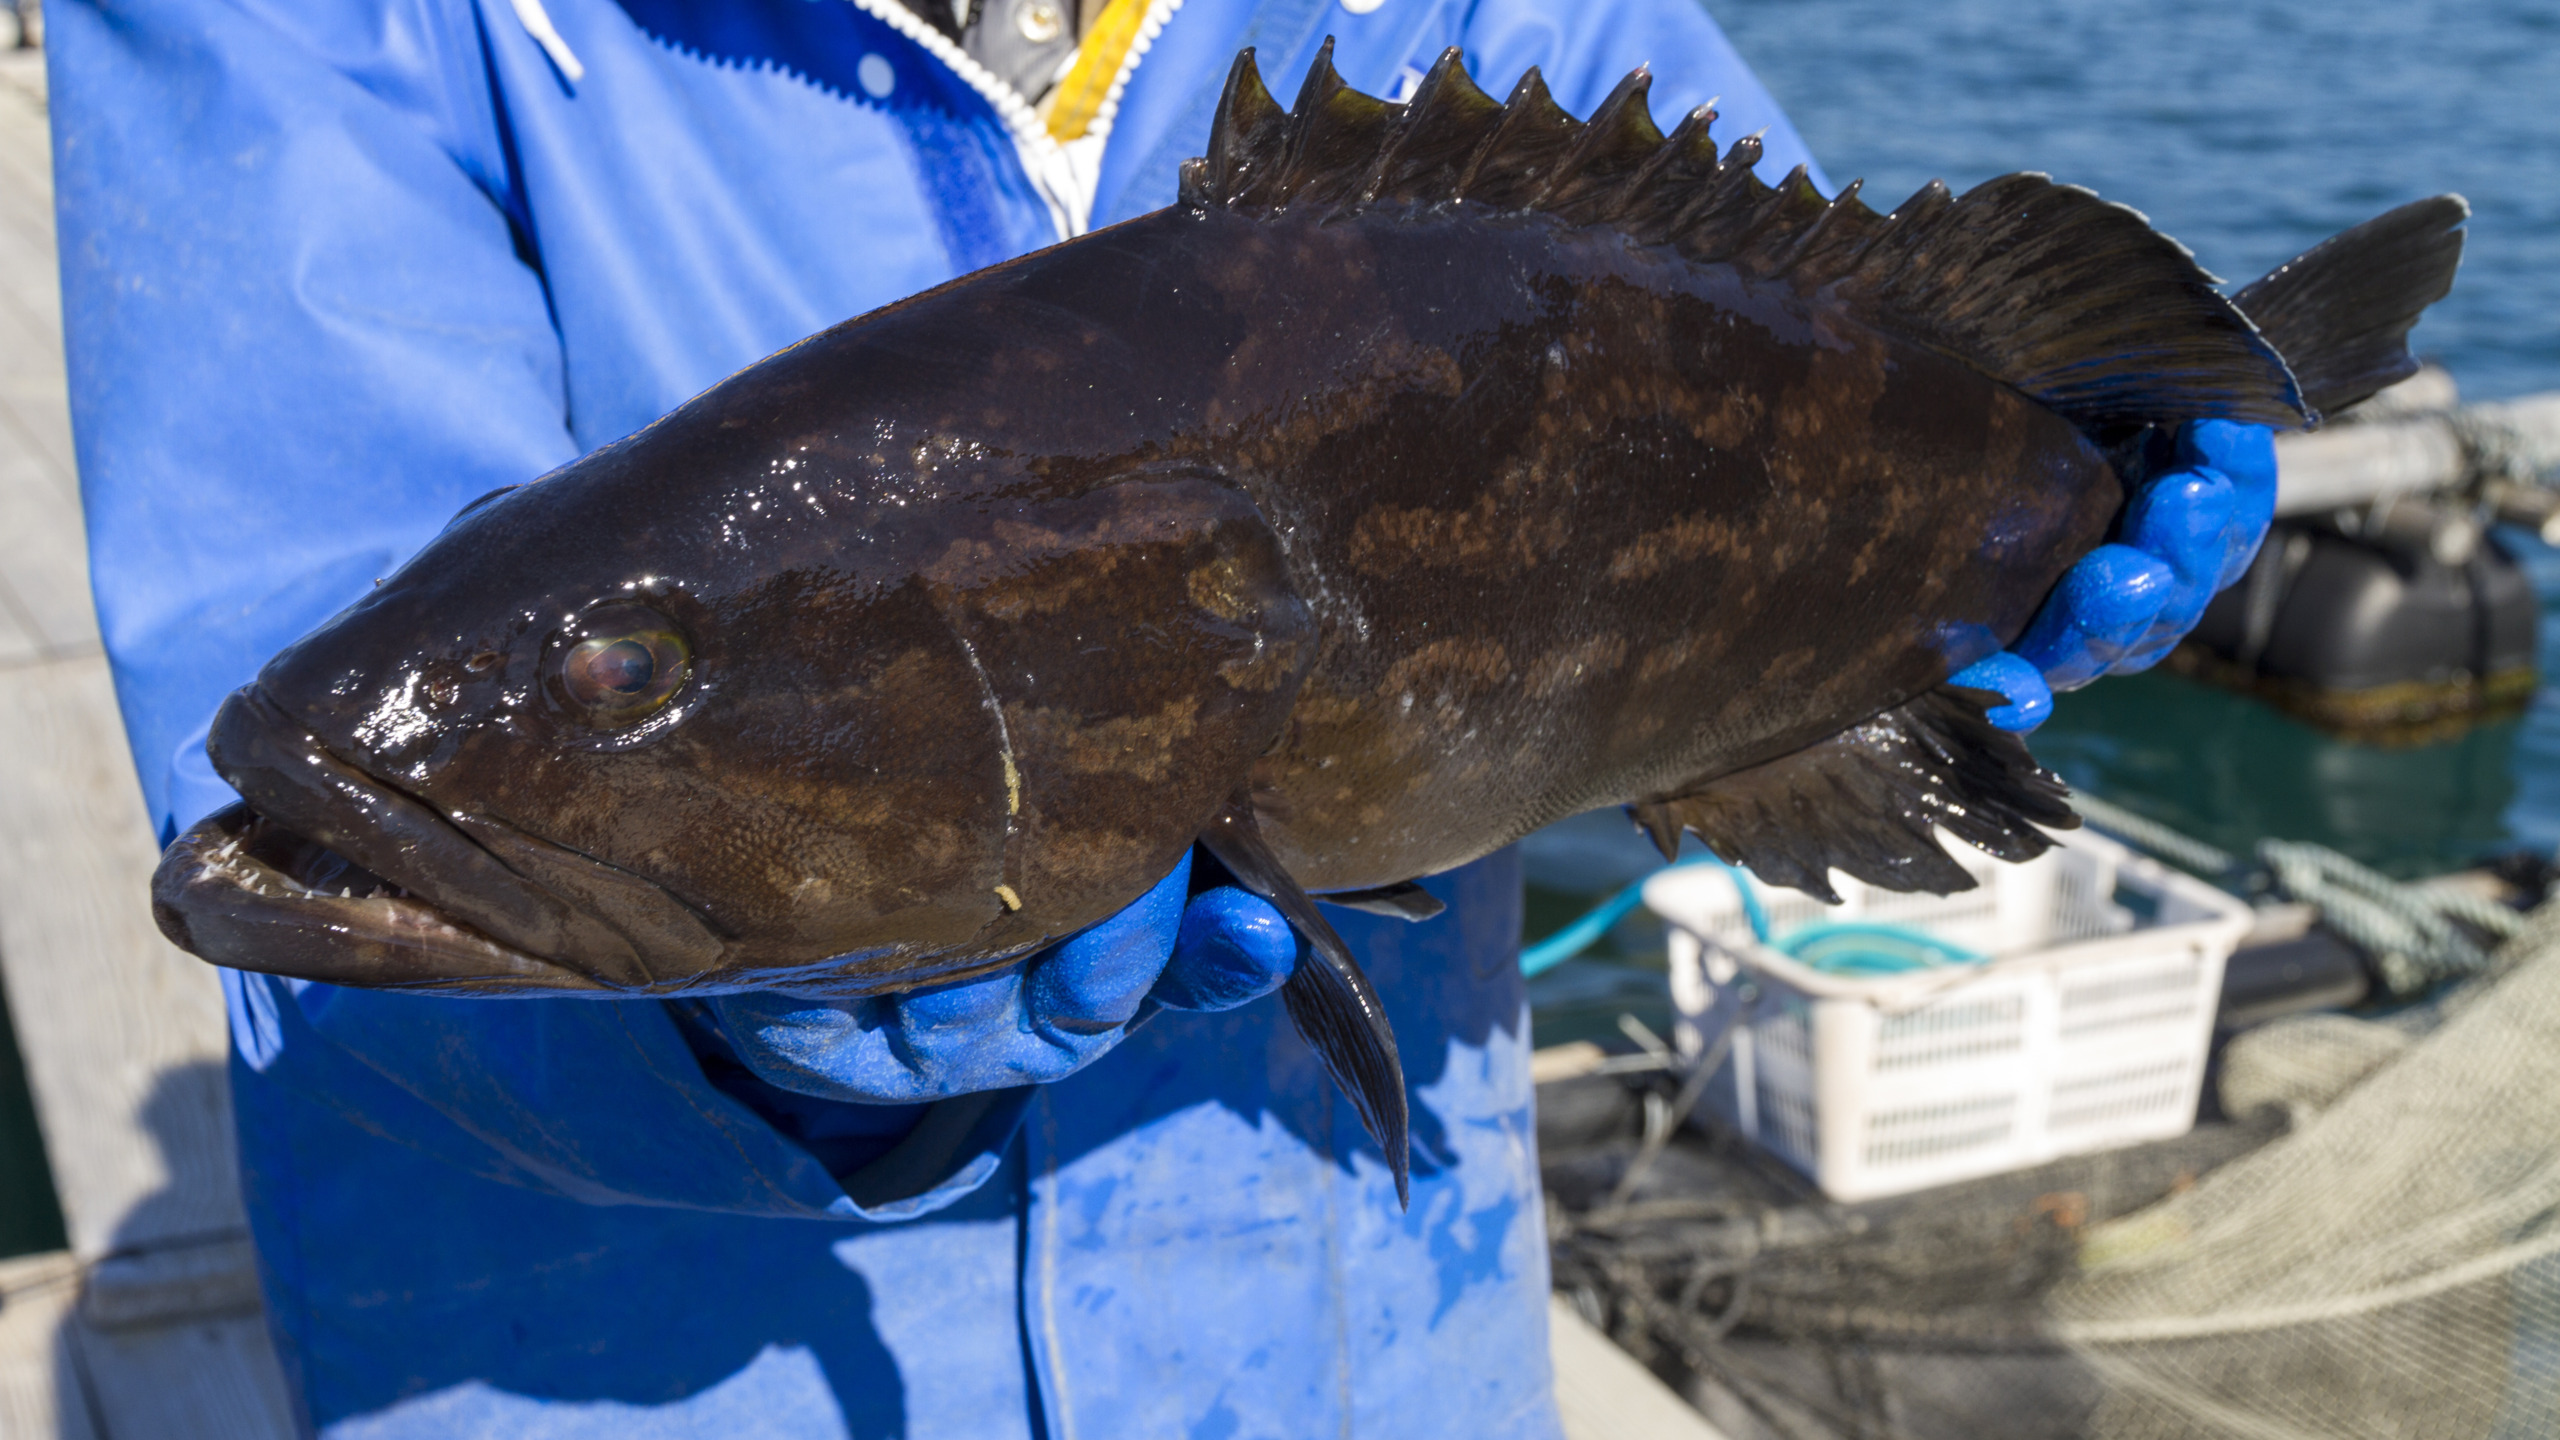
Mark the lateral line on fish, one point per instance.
(1004, 734)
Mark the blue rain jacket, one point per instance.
(331, 270)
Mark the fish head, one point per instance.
(625, 730)
(596, 735)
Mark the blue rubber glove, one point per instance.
(1036, 1022)
(2189, 531)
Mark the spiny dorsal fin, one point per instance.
(1518, 157)
(1339, 132)
(1444, 122)
(2076, 301)
(1660, 196)
(1246, 142)
(1589, 181)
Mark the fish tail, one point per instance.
(2340, 312)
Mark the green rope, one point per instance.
(2184, 851)
(2408, 929)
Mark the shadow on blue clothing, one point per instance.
(1451, 980)
(624, 1321)
(690, 1300)
(647, 1321)
(653, 1308)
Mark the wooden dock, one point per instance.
(149, 1326)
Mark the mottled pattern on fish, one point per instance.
(1429, 473)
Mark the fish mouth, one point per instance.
(323, 872)
(242, 891)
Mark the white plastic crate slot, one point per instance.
(1784, 1037)
(1786, 1120)
(2085, 907)
(2171, 995)
(1978, 906)
(2136, 1091)
(1928, 1132)
(1952, 1033)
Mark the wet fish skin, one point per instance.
(833, 780)
(1428, 474)
(1628, 525)
(1487, 455)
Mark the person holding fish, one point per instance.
(890, 1061)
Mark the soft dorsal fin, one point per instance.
(2074, 300)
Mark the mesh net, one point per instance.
(2305, 1062)
(2391, 1267)
(2372, 1249)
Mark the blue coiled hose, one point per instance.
(1834, 947)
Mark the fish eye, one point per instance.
(622, 665)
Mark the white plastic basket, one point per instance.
(2087, 1029)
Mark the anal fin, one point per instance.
(1405, 901)
(1868, 800)
(1333, 1005)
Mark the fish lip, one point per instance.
(219, 894)
(445, 895)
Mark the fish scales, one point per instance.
(1581, 520)
(1481, 448)
(1429, 473)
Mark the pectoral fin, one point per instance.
(1867, 801)
(1407, 901)
(1333, 1005)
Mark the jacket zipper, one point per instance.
(1064, 174)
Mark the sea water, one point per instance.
(2250, 130)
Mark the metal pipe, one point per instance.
(2357, 463)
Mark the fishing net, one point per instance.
(2366, 1242)
(2391, 1267)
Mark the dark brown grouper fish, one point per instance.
(1430, 472)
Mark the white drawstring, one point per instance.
(537, 23)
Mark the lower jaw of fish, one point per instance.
(241, 891)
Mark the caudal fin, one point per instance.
(2340, 312)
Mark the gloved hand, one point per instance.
(1039, 1021)
(2189, 531)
